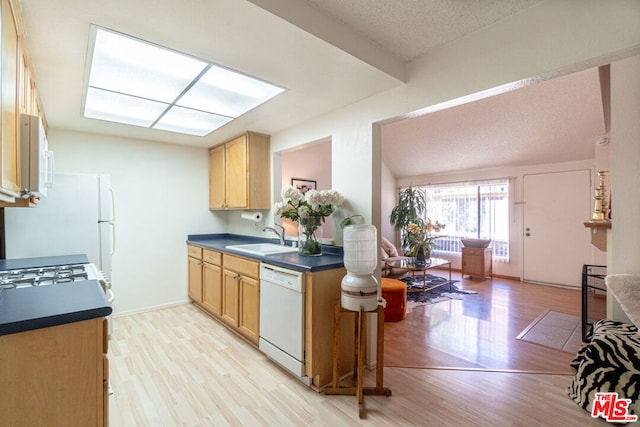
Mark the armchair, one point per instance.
(388, 253)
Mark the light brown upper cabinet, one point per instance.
(239, 173)
(9, 126)
(18, 94)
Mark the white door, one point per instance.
(556, 242)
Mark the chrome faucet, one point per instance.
(280, 233)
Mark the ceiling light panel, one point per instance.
(135, 82)
(225, 92)
(125, 65)
(192, 122)
(116, 107)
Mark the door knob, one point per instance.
(527, 234)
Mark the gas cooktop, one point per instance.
(42, 276)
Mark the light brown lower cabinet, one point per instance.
(212, 288)
(241, 295)
(231, 293)
(230, 287)
(195, 273)
(322, 292)
(56, 376)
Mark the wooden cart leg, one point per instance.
(356, 352)
(360, 343)
(380, 350)
(336, 346)
(362, 330)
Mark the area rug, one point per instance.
(553, 329)
(433, 294)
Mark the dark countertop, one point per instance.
(332, 256)
(48, 261)
(29, 308)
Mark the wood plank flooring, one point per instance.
(179, 367)
(479, 332)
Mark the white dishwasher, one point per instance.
(282, 318)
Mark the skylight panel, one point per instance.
(193, 122)
(226, 92)
(125, 65)
(134, 82)
(116, 107)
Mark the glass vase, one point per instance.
(310, 236)
(421, 258)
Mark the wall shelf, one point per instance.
(598, 224)
(599, 233)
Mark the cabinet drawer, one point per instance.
(473, 251)
(472, 265)
(212, 257)
(194, 251)
(242, 266)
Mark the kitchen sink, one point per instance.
(263, 249)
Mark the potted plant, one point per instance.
(410, 210)
(310, 210)
(421, 239)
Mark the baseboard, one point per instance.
(150, 308)
(504, 276)
(496, 276)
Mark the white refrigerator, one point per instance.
(77, 217)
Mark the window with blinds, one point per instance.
(473, 209)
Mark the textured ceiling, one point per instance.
(409, 28)
(327, 54)
(554, 121)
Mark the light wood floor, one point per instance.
(179, 367)
(480, 331)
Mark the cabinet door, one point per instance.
(217, 178)
(237, 173)
(471, 262)
(212, 288)
(9, 129)
(230, 293)
(250, 308)
(195, 279)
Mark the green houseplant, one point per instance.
(409, 210)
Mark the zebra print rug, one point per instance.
(609, 362)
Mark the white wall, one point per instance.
(161, 196)
(624, 238)
(389, 198)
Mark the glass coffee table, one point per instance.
(409, 264)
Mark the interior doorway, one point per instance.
(555, 243)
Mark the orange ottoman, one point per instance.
(395, 293)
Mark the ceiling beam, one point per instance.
(324, 26)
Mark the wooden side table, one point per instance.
(359, 357)
(477, 262)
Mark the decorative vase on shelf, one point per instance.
(310, 236)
